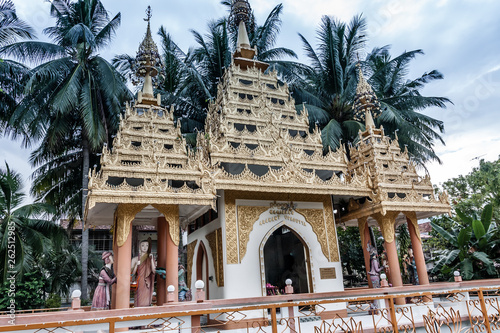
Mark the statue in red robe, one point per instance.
(144, 266)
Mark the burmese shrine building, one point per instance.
(259, 195)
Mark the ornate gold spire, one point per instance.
(244, 54)
(366, 105)
(147, 59)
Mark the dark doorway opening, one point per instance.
(202, 267)
(285, 257)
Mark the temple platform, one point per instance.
(458, 307)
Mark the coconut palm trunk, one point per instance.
(85, 232)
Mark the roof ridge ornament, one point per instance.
(147, 62)
(366, 105)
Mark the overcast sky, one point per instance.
(460, 38)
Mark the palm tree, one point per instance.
(401, 101)
(73, 92)
(329, 85)
(11, 73)
(22, 228)
(11, 27)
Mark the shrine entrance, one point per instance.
(286, 256)
(202, 267)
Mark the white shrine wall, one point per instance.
(247, 279)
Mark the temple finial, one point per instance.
(239, 17)
(147, 60)
(148, 14)
(366, 105)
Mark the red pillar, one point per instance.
(364, 231)
(418, 252)
(387, 223)
(172, 261)
(123, 273)
(392, 258)
(115, 268)
(161, 228)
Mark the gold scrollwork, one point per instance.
(190, 257)
(411, 217)
(232, 232)
(125, 214)
(171, 213)
(315, 218)
(215, 242)
(386, 223)
(247, 216)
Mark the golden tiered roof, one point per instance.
(255, 141)
(261, 144)
(392, 178)
(150, 163)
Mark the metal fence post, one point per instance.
(484, 310)
(274, 323)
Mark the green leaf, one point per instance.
(331, 134)
(478, 228)
(463, 237)
(446, 235)
(486, 216)
(483, 257)
(466, 269)
(463, 217)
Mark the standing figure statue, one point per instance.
(183, 288)
(144, 266)
(374, 271)
(107, 277)
(412, 267)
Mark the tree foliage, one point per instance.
(472, 247)
(470, 192)
(328, 88)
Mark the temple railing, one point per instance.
(463, 307)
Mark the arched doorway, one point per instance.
(287, 257)
(202, 266)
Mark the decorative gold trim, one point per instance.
(231, 228)
(234, 229)
(171, 213)
(331, 228)
(362, 226)
(190, 257)
(316, 218)
(125, 214)
(247, 216)
(387, 224)
(215, 242)
(412, 218)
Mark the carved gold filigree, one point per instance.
(411, 217)
(190, 258)
(215, 242)
(247, 216)
(171, 213)
(232, 231)
(315, 217)
(387, 224)
(125, 214)
(362, 222)
(331, 228)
